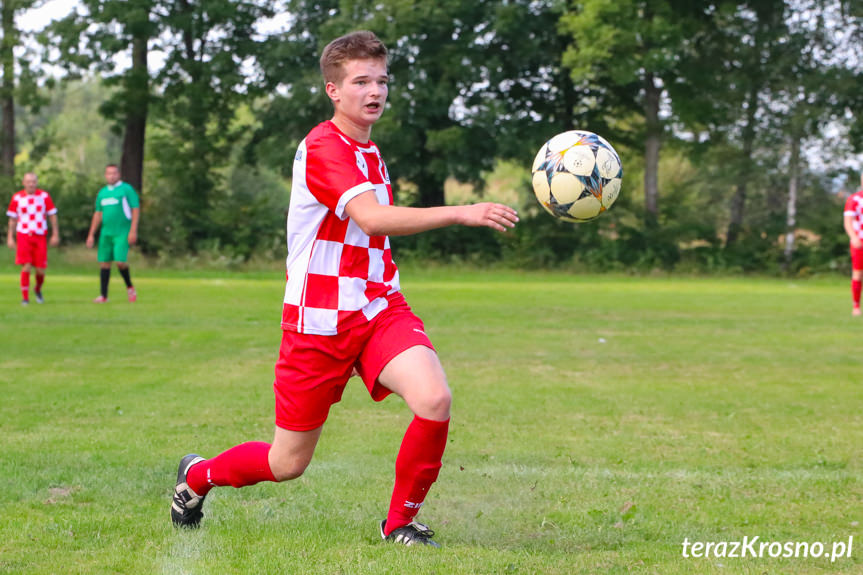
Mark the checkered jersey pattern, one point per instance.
(854, 208)
(338, 276)
(31, 211)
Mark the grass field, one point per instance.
(598, 422)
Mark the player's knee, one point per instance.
(436, 405)
(285, 470)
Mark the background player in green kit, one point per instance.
(117, 211)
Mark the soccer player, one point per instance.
(343, 311)
(26, 233)
(117, 211)
(854, 228)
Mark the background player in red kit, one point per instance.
(854, 229)
(343, 310)
(27, 233)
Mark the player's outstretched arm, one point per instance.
(376, 219)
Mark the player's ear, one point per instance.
(332, 91)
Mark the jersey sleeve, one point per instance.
(12, 212)
(849, 206)
(50, 208)
(335, 173)
(132, 197)
(99, 201)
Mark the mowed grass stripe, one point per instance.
(598, 421)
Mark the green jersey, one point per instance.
(116, 203)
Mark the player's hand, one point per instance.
(89, 241)
(133, 238)
(491, 215)
(55, 240)
(10, 242)
(856, 243)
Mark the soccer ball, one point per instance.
(576, 176)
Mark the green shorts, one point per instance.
(113, 248)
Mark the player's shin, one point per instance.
(25, 285)
(417, 468)
(245, 464)
(104, 278)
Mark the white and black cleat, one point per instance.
(411, 534)
(186, 507)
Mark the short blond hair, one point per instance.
(361, 45)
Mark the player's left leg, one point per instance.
(417, 376)
(24, 258)
(123, 268)
(40, 262)
(121, 256)
(40, 281)
(856, 278)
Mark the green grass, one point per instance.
(598, 422)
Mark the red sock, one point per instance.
(25, 285)
(417, 467)
(856, 287)
(245, 464)
(40, 279)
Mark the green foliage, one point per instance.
(472, 83)
(463, 90)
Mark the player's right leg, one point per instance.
(105, 257)
(243, 465)
(311, 374)
(24, 258)
(25, 284)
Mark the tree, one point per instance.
(208, 47)
(471, 82)
(91, 40)
(208, 44)
(635, 49)
(14, 82)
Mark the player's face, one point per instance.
(360, 97)
(112, 175)
(30, 182)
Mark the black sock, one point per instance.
(104, 276)
(126, 277)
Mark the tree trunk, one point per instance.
(791, 214)
(430, 191)
(738, 201)
(138, 93)
(7, 90)
(653, 142)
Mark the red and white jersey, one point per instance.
(31, 211)
(338, 277)
(854, 208)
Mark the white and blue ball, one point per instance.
(576, 176)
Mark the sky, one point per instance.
(36, 19)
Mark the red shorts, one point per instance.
(32, 249)
(856, 258)
(313, 370)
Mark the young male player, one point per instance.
(117, 211)
(27, 232)
(343, 310)
(854, 228)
